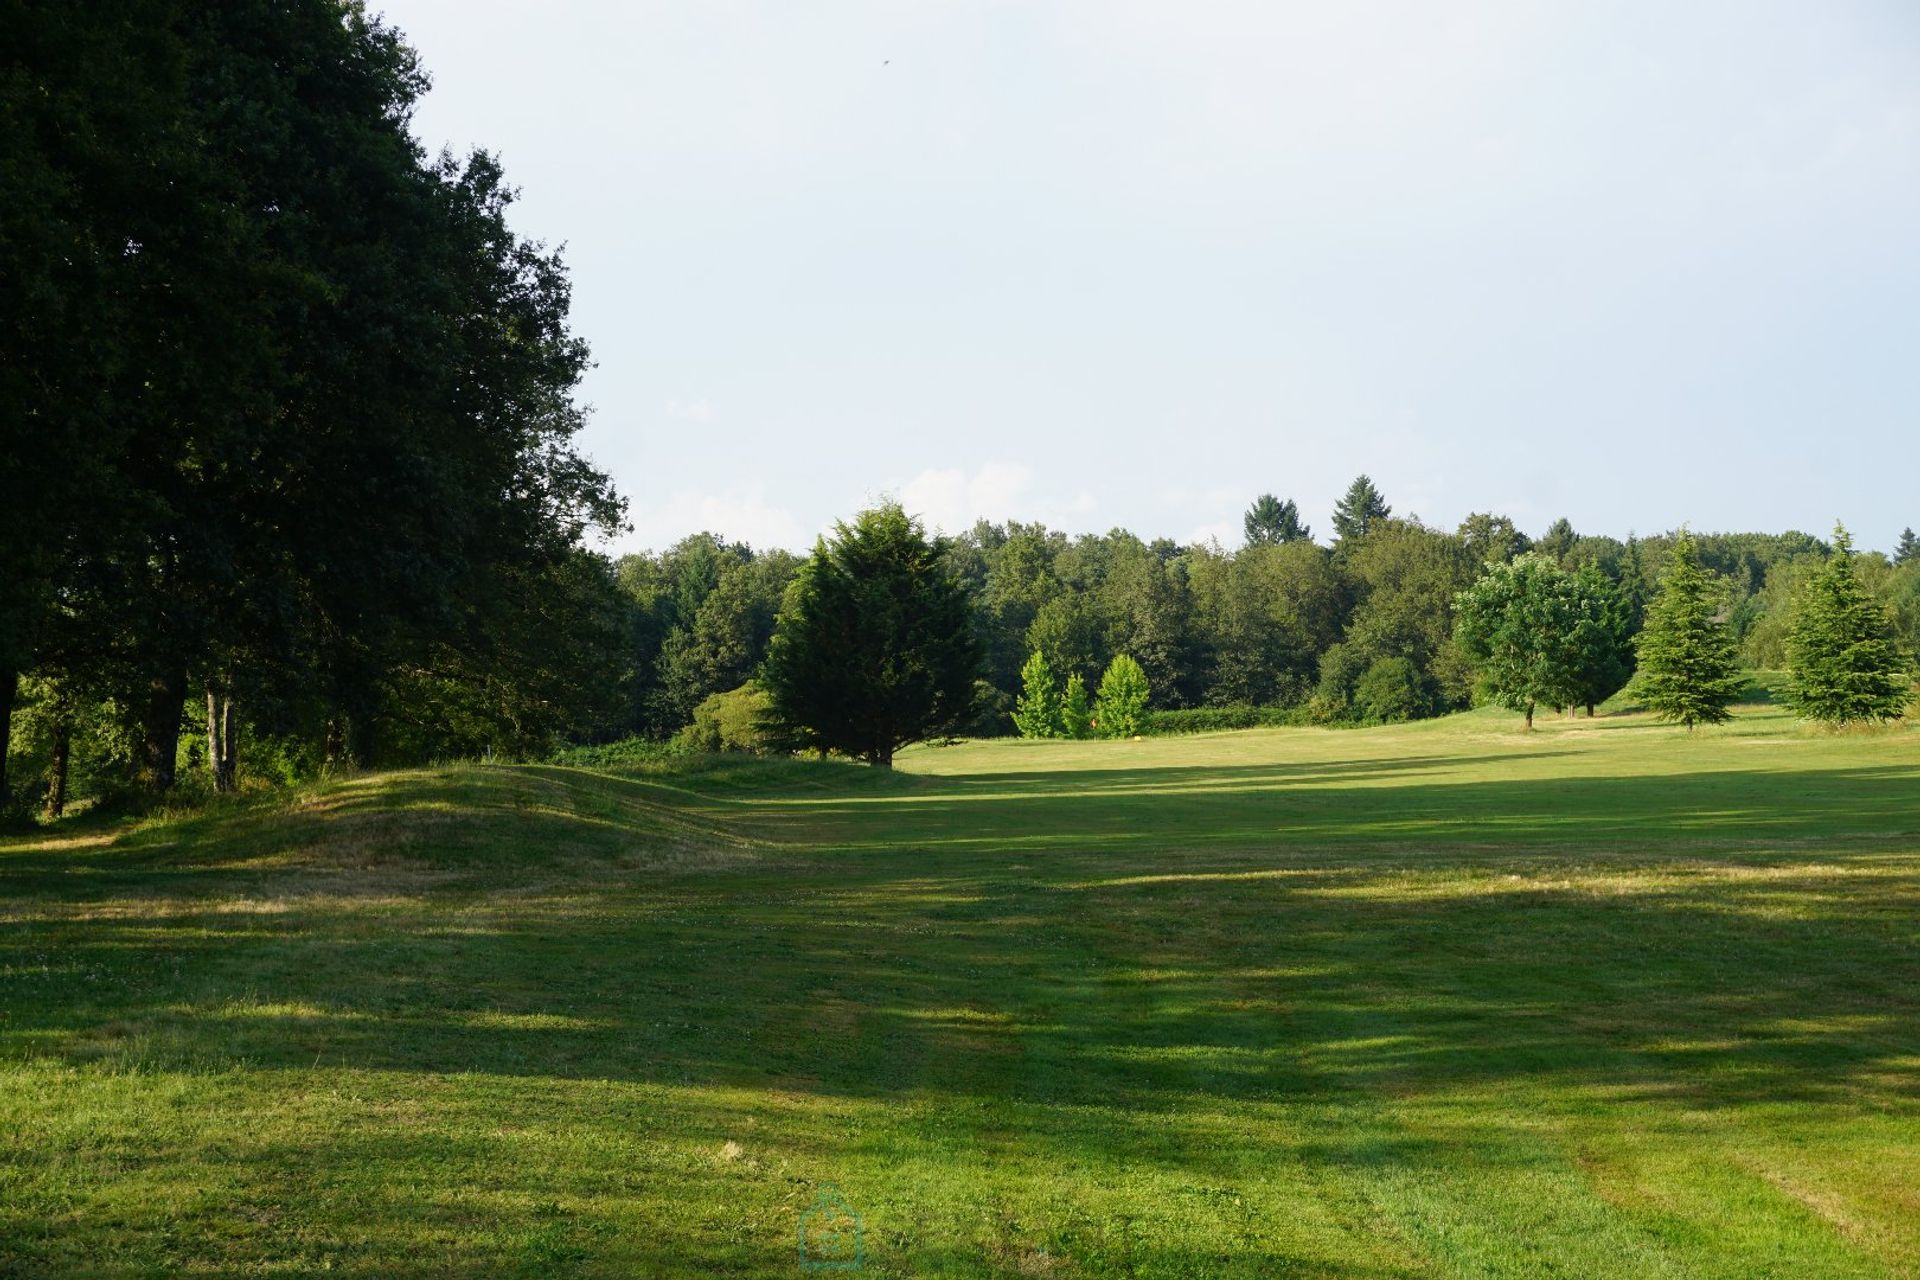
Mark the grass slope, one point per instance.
(1442, 1000)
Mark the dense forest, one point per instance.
(1281, 622)
(290, 480)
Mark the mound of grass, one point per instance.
(1441, 999)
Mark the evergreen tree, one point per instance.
(1908, 549)
(1037, 712)
(1843, 664)
(1357, 513)
(1558, 540)
(1689, 672)
(875, 648)
(1122, 705)
(1076, 708)
(1519, 621)
(1270, 522)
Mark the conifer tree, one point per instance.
(1362, 508)
(875, 648)
(1269, 521)
(1122, 705)
(1908, 548)
(1689, 672)
(1843, 664)
(1076, 708)
(1037, 713)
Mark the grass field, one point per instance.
(1439, 1000)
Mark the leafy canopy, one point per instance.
(1122, 705)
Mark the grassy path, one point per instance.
(1442, 1000)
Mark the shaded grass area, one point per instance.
(1439, 1000)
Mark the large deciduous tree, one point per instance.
(875, 649)
(1518, 621)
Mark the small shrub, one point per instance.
(1392, 690)
(730, 721)
(1214, 719)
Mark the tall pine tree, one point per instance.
(1689, 672)
(1843, 664)
(1270, 521)
(1362, 508)
(1908, 549)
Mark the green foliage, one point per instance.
(1076, 709)
(1392, 690)
(732, 721)
(1518, 622)
(1689, 672)
(1215, 719)
(1602, 638)
(1038, 712)
(626, 753)
(875, 648)
(1843, 665)
(1558, 541)
(1121, 709)
(1270, 522)
(1492, 538)
(1907, 550)
(1359, 510)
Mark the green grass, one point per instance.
(1441, 1000)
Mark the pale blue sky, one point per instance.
(1103, 263)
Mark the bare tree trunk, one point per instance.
(1589, 711)
(1529, 717)
(336, 747)
(229, 748)
(62, 758)
(213, 737)
(221, 747)
(160, 737)
(9, 686)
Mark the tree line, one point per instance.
(288, 482)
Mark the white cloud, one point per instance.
(739, 514)
(1225, 532)
(700, 410)
(950, 499)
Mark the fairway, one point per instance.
(1446, 999)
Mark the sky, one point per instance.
(1100, 263)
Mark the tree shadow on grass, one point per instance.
(1724, 943)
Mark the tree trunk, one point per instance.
(1529, 717)
(336, 747)
(230, 749)
(62, 757)
(160, 725)
(220, 744)
(9, 684)
(1589, 711)
(213, 737)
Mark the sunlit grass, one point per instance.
(1445, 999)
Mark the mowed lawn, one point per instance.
(1443, 1000)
